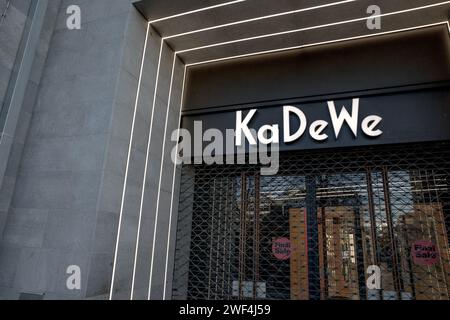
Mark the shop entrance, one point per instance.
(314, 230)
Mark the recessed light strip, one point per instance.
(314, 27)
(196, 11)
(144, 181)
(261, 18)
(155, 229)
(124, 189)
(316, 44)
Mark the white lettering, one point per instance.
(287, 127)
(274, 134)
(344, 116)
(242, 127)
(316, 130)
(369, 125)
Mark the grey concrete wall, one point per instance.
(52, 216)
(12, 24)
(11, 29)
(16, 141)
(66, 199)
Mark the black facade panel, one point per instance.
(418, 116)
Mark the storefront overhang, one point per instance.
(202, 31)
(268, 54)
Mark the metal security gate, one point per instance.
(315, 229)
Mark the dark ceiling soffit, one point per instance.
(140, 7)
(204, 78)
(157, 9)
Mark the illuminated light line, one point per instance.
(314, 27)
(160, 177)
(317, 44)
(124, 189)
(196, 11)
(173, 187)
(144, 181)
(261, 18)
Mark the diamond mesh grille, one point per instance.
(313, 230)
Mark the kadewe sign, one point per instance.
(394, 118)
(269, 134)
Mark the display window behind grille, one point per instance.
(316, 228)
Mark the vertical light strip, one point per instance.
(160, 178)
(197, 10)
(124, 189)
(173, 186)
(144, 181)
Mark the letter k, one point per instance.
(242, 127)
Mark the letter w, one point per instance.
(344, 116)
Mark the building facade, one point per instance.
(352, 98)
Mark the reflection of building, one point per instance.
(337, 254)
(299, 258)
